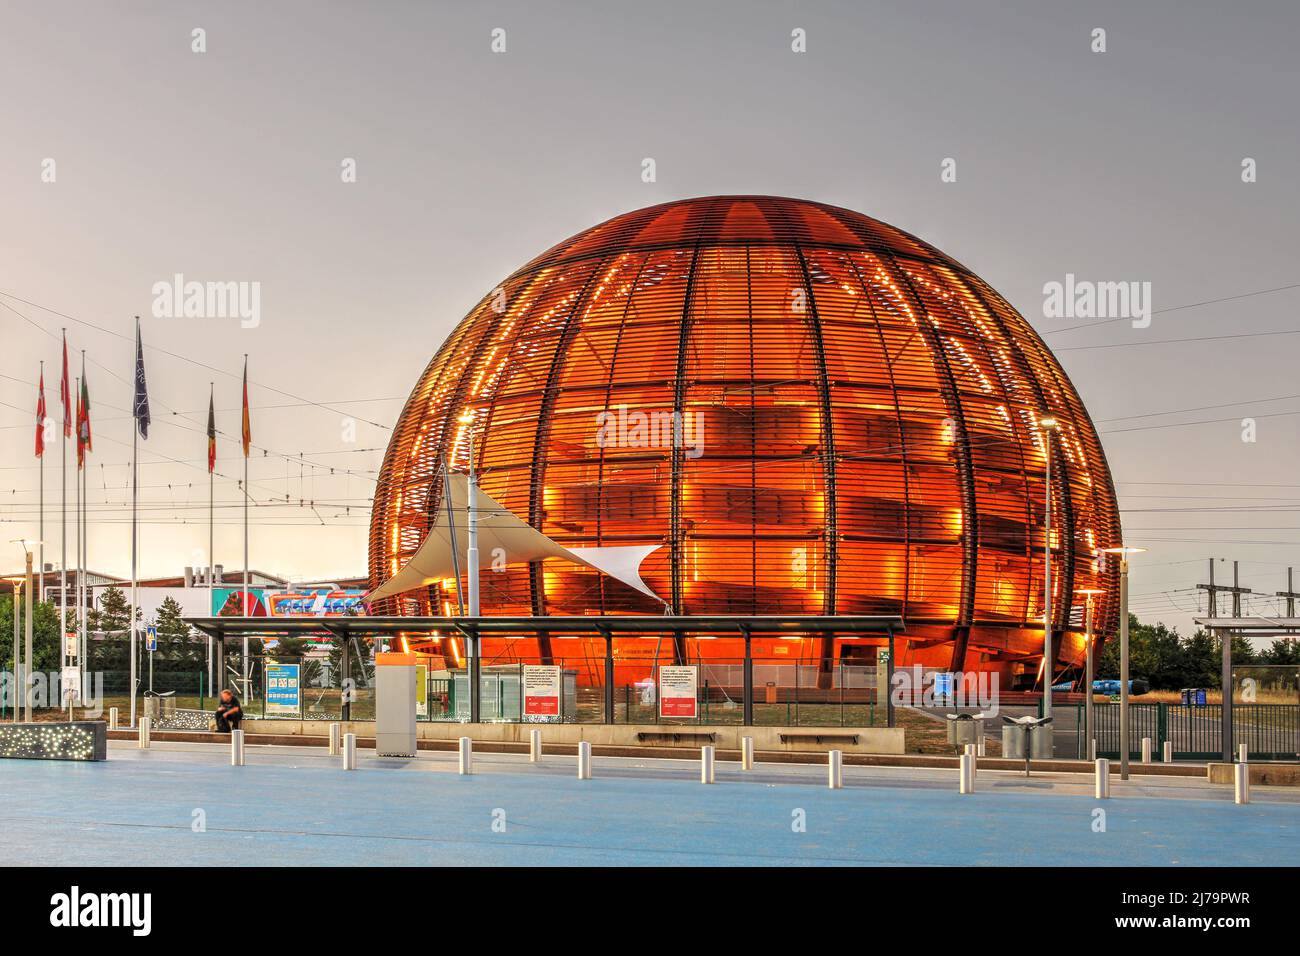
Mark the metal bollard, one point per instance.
(336, 739)
(966, 774)
(349, 751)
(835, 769)
(1241, 782)
(112, 718)
(146, 724)
(584, 760)
(1168, 752)
(979, 751)
(534, 746)
(465, 755)
(236, 748)
(1092, 749)
(706, 764)
(973, 750)
(1102, 791)
(1146, 749)
(746, 753)
(1243, 754)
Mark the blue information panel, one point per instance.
(283, 695)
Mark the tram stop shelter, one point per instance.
(875, 629)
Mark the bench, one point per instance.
(675, 738)
(819, 739)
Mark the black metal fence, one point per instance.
(1269, 731)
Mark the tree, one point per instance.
(47, 645)
(113, 614)
(294, 650)
(176, 644)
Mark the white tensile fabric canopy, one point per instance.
(501, 531)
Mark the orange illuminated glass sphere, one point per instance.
(811, 411)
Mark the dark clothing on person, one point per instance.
(229, 715)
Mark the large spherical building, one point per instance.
(812, 412)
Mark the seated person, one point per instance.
(228, 713)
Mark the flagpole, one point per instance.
(63, 521)
(245, 414)
(84, 556)
(212, 561)
(83, 647)
(40, 547)
(135, 446)
(76, 514)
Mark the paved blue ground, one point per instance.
(140, 811)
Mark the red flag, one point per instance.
(83, 422)
(246, 437)
(40, 417)
(65, 392)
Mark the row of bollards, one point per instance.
(346, 744)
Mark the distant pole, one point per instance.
(1048, 424)
(1087, 684)
(212, 561)
(1123, 667)
(63, 521)
(41, 481)
(471, 534)
(18, 661)
(245, 437)
(81, 574)
(135, 444)
(27, 677)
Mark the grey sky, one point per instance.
(1123, 165)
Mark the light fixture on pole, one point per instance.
(1123, 553)
(1088, 731)
(1049, 425)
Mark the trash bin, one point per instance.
(964, 729)
(769, 693)
(1013, 742)
(1040, 742)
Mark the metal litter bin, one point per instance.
(964, 729)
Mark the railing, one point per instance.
(1269, 731)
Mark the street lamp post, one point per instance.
(1123, 553)
(1089, 594)
(471, 569)
(17, 677)
(1049, 425)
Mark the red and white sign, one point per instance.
(541, 691)
(677, 691)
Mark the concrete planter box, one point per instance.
(79, 740)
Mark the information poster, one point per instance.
(283, 695)
(541, 691)
(677, 691)
(421, 690)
